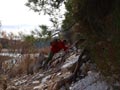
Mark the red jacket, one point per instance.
(54, 47)
(61, 45)
(57, 46)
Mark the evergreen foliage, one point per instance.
(100, 21)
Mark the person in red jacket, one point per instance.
(56, 46)
(62, 45)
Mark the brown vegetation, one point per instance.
(3, 58)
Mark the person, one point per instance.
(62, 45)
(56, 46)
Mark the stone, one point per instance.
(11, 88)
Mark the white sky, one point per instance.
(16, 17)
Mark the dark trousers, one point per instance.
(50, 56)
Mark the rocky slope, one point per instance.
(60, 76)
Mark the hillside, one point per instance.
(68, 73)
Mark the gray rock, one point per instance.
(11, 88)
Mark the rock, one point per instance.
(39, 87)
(45, 79)
(59, 73)
(62, 88)
(36, 76)
(20, 82)
(59, 76)
(36, 82)
(70, 63)
(91, 82)
(11, 88)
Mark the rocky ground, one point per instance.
(60, 76)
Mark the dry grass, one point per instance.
(25, 67)
(28, 65)
(45, 50)
(5, 57)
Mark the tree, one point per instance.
(53, 8)
(47, 6)
(28, 44)
(100, 22)
(29, 38)
(42, 33)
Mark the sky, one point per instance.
(16, 17)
